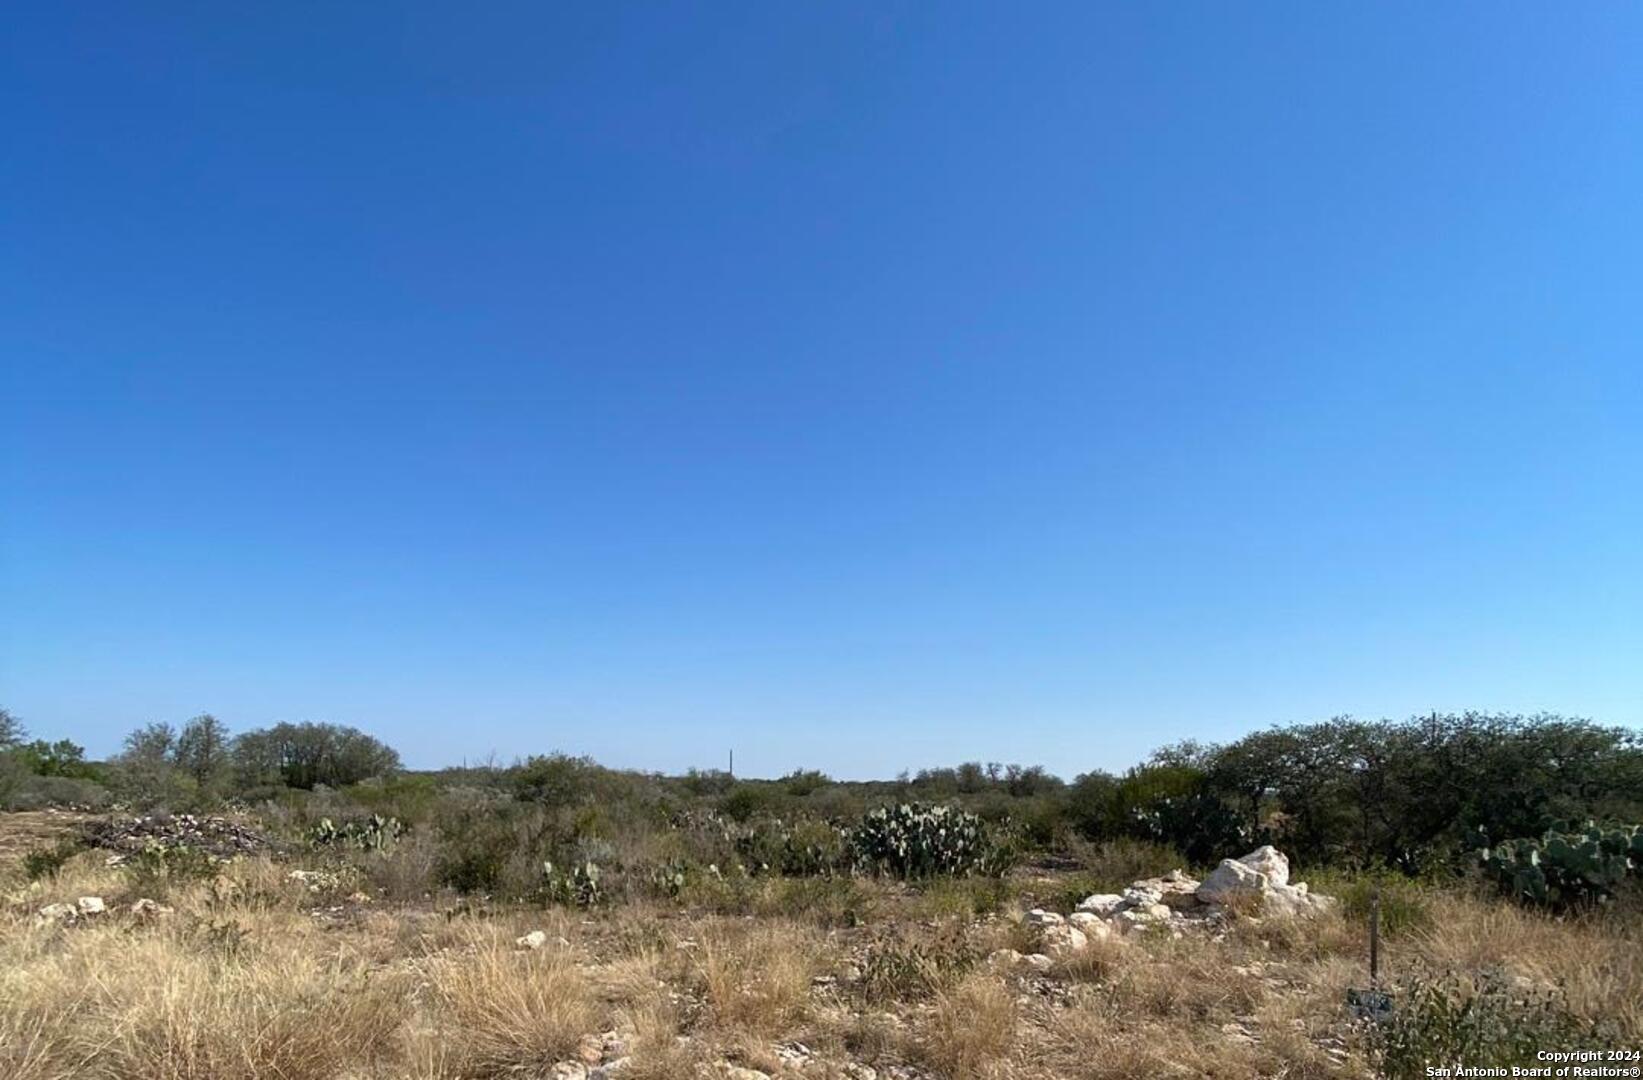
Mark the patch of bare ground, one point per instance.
(25, 831)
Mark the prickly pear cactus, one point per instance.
(914, 841)
(375, 833)
(578, 886)
(1568, 865)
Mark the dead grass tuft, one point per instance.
(756, 978)
(500, 1010)
(972, 1032)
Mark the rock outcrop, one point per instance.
(1260, 880)
(1254, 884)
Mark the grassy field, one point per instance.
(258, 973)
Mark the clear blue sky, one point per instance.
(862, 386)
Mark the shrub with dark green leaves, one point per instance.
(917, 841)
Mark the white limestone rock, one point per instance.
(1061, 939)
(1270, 861)
(1101, 904)
(1093, 926)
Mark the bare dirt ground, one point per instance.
(26, 831)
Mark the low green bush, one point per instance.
(45, 862)
(1482, 1021)
(1405, 901)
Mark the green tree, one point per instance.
(61, 758)
(304, 755)
(202, 750)
(150, 746)
(11, 731)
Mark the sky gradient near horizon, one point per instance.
(858, 386)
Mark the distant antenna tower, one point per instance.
(733, 764)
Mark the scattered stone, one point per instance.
(1060, 939)
(1175, 902)
(1005, 958)
(317, 881)
(736, 1072)
(1101, 904)
(1090, 924)
(533, 940)
(610, 1070)
(1133, 920)
(216, 836)
(58, 913)
(144, 908)
(855, 1070)
(568, 1070)
(91, 905)
(591, 1049)
(1038, 961)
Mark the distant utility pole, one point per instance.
(733, 764)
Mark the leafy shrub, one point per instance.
(967, 897)
(745, 800)
(800, 849)
(477, 841)
(158, 867)
(30, 791)
(1566, 866)
(916, 841)
(45, 862)
(1481, 1020)
(1404, 900)
(803, 782)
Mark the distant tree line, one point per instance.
(199, 764)
(1403, 794)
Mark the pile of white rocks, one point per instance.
(91, 907)
(1255, 884)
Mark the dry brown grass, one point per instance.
(659, 1051)
(1596, 959)
(755, 978)
(245, 982)
(498, 1010)
(178, 1003)
(972, 1031)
